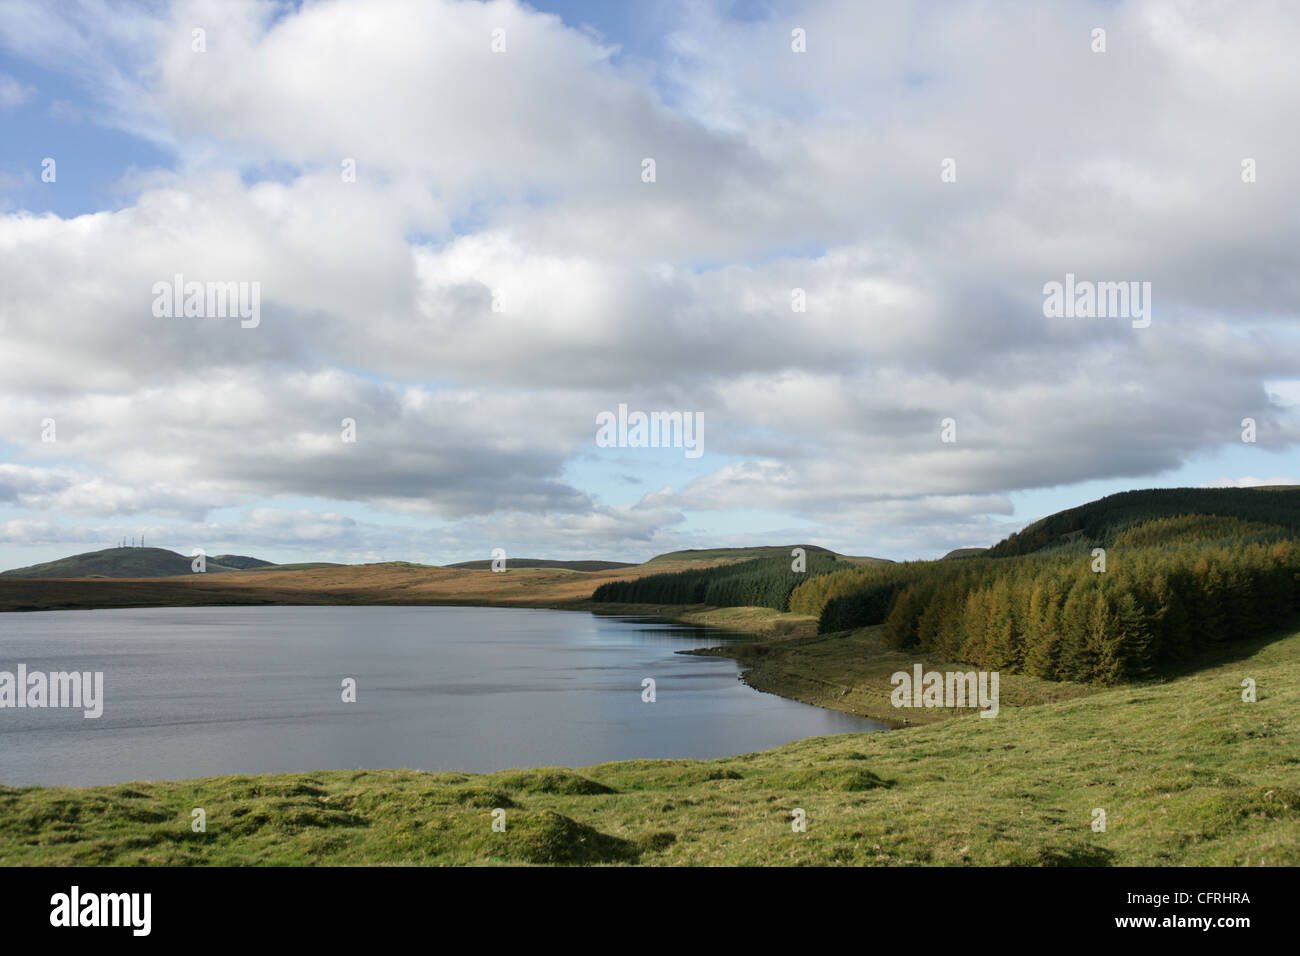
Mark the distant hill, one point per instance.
(748, 554)
(116, 563)
(486, 564)
(144, 563)
(239, 561)
(964, 553)
(1099, 523)
(766, 577)
(161, 563)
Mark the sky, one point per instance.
(838, 266)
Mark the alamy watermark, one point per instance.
(208, 300)
(951, 689)
(37, 689)
(75, 908)
(1083, 299)
(651, 430)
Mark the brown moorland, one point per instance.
(389, 583)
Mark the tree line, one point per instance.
(761, 582)
(1059, 617)
(1116, 590)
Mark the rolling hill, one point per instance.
(161, 563)
(116, 563)
(486, 564)
(1098, 523)
(240, 562)
(143, 563)
(720, 555)
(964, 553)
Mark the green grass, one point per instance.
(851, 671)
(1187, 773)
(745, 622)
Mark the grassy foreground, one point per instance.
(1186, 772)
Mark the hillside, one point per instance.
(240, 562)
(1118, 590)
(486, 564)
(1187, 774)
(763, 581)
(123, 563)
(148, 563)
(719, 555)
(1097, 523)
(161, 563)
(151, 577)
(392, 582)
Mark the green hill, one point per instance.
(717, 555)
(763, 581)
(1120, 589)
(139, 563)
(239, 561)
(1098, 523)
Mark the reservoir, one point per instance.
(205, 691)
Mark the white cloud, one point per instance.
(518, 174)
(13, 93)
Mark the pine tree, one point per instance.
(1042, 659)
(1076, 661)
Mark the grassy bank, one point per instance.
(1186, 772)
(750, 621)
(851, 672)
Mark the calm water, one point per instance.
(202, 691)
